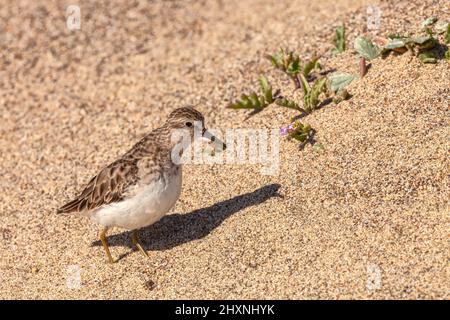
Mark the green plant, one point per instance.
(441, 27)
(298, 131)
(311, 65)
(339, 80)
(368, 51)
(427, 57)
(340, 96)
(366, 48)
(256, 101)
(433, 26)
(286, 61)
(428, 22)
(289, 62)
(283, 102)
(264, 99)
(311, 94)
(301, 132)
(339, 40)
(422, 46)
(267, 90)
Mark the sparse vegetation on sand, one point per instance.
(426, 47)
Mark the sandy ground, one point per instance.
(366, 216)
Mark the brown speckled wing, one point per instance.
(142, 163)
(108, 186)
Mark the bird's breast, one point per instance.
(145, 204)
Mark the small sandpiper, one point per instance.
(139, 188)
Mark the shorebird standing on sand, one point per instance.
(139, 188)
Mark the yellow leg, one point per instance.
(135, 240)
(105, 244)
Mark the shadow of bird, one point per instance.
(176, 229)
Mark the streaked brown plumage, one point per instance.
(141, 186)
(149, 156)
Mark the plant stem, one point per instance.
(362, 67)
(298, 83)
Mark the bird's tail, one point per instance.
(69, 207)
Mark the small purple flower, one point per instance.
(290, 128)
(286, 130)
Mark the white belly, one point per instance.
(150, 203)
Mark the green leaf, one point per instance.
(339, 40)
(254, 100)
(421, 40)
(306, 128)
(294, 66)
(366, 48)
(396, 43)
(262, 101)
(319, 86)
(311, 94)
(429, 21)
(286, 58)
(341, 96)
(241, 104)
(264, 84)
(288, 62)
(447, 54)
(425, 42)
(300, 137)
(244, 97)
(276, 60)
(441, 27)
(287, 104)
(305, 85)
(311, 65)
(317, 89)
(266, 89)
(244, 103)
(272, 60)
(428, 57)
(248, 102)
(301, 131)
(339, 80)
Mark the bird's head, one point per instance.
(189, 120)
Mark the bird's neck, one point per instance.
(174, 142)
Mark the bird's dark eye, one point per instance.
(188, 124)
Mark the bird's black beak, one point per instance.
(210, 137)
